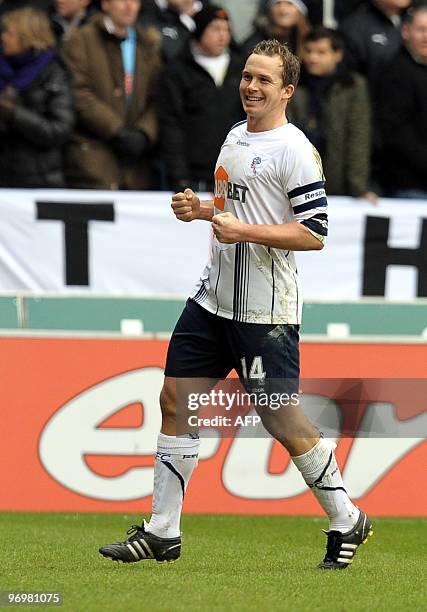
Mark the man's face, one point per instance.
(123, 13)
(415, 35)
(70, 8)
(319, 57)
(261, 88)
(216, 37)
(284, 14)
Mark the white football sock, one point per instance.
(176, 459)
(320, 471)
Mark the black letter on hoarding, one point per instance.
(76, 218)
(378, 255)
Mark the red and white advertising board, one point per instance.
(80, 419)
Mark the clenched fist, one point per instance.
(186, 205)
(227, 228)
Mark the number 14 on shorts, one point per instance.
(256, 370)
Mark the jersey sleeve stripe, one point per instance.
(321, 216)
(311, 196)
(298, 191)
(317, 224)
(319, 203)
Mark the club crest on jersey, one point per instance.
(255, 162)
(225, 189)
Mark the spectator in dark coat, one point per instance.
(403, 112)
(331, 105)
(174, 20)
(199, 102)
(372, 36)
(284, 20)
(36, 114)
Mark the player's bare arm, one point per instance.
(287, 236)
(187, 207)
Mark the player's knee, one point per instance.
(168, 401)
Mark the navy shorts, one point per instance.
(204, 345)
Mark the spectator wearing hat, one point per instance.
(284, 20)
(199, 102)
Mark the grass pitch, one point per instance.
(257, 563)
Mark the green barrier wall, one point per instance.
(101, 314)
(9, 313)
(105, 314)
(367, 318)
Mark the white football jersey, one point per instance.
(271, 177)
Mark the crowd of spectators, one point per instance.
(139, 94)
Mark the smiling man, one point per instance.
(245, 311)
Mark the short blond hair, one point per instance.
(291, 63)
(33, 28)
